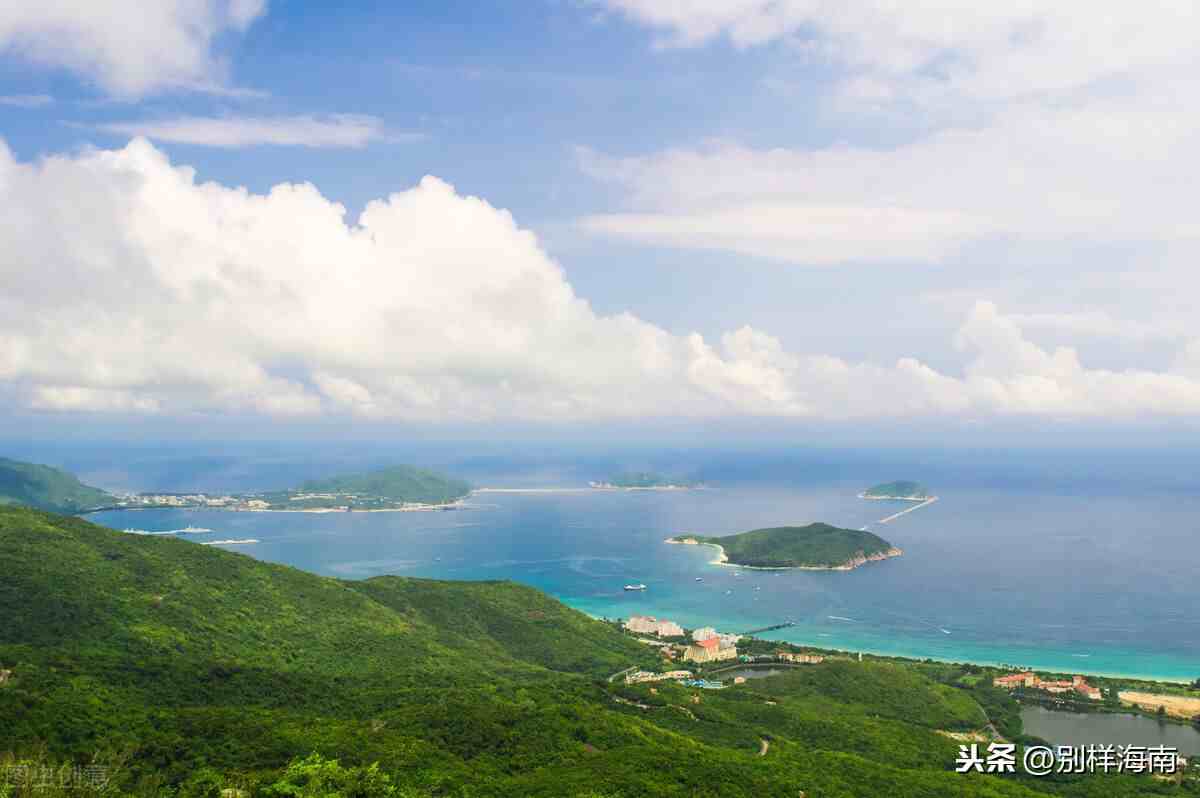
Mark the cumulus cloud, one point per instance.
(128, 286)
(128, 49)
(334, 131)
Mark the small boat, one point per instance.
(727, 592)
(699, 578)
(638, 586)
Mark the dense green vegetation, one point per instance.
(47, 488)
(374, 490)
(901, 489)
(186, 670)
(646, 479)
(813, 546)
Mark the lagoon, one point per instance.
(1096, 728)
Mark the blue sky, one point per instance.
(742, 209)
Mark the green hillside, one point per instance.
(397, 484)
(185, 670)
(901, 489)
(47, 488)
(813, 546)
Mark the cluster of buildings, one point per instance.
(710, 649)
(649, 625)
(801, 659)
(177, 500)
(639, 677)
(1076, 684)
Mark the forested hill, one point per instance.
(813, 546)
(396, 484)
(47, 488)
(901, 489)
(185, 670)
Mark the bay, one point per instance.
(1064, 580)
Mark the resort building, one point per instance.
(704, 633)
(806, 659)
(1077, 684)
(710, 650)
(649, 625)
(646, 676)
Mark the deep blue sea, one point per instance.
(1058, 567)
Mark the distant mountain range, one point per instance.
(48, 488)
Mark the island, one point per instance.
(398, 488)
(818, 546)
(643, 480)
(901, 490)
(48, 488)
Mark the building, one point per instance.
(639, 677)
(806, 659)
(704, 633)
(709, 650)
(649, 625)
(1076, 684)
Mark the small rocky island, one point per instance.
(901, 490)
(814, 547)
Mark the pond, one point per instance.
(1083, 728)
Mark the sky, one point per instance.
(659, 217)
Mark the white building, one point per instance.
(704, 634)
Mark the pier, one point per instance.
(914, 508)
(783, 625)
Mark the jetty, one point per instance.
(914, 508)
(783, 625)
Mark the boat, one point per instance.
(638, 586)
(699, 578)
(193, 530)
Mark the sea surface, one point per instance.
(1074, 576)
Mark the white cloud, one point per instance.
(171, 296)
(128, 49)
(337, 130)
(26, 100)
(1080, 123)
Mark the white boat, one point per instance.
(699, 578)
(638, 586)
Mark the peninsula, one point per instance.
(48, 488)
(817, 546)
(399, 488)
(901, 490)
(643, 480)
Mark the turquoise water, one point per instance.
(1052, 580)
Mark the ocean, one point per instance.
(1055, 568)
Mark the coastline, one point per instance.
(723, 559)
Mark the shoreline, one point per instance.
(849, 565)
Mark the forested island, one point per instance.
(901, 489)
(816, 546)
(398, 487)
(643, 480)
(171, 668)
(48, 488)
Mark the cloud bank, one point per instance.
(335, 131)
(128, 49)
(130, 287)
(1038, 123)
